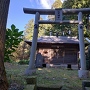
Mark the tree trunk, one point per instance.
(4, 7)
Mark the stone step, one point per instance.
(30, 87)
(87, 88)
(86, 84)
(31, 80)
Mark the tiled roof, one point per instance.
(59, 39)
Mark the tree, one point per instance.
(22, 52)
(29, 28)
(58, 29)
(79, 4)
(4, 6)
(57, 4)
(76, 4)
(13, 38)
(28, 33)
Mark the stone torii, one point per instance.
(83, 73)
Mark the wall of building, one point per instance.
(59, 56)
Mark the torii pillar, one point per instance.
(31, 69)
(83, 73)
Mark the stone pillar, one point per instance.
(31, 68)
(83, 73)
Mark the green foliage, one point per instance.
(29, 29)
(28, 33)
(63, 29)
(13, 38)
(78, 4)
(22, 62)
(55, 28)
(57, 4)
(22, 52)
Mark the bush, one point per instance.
(22, 62)
(13, 38)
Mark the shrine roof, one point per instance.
(54, 39)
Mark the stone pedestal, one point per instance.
(83, 73)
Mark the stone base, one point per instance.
(83, 73)
(30, 72)
(86, 85)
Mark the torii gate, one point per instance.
(83, 73)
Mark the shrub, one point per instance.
(22, 62)
(13, 38)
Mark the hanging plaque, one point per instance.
(58, 14)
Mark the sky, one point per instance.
(16, 15)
